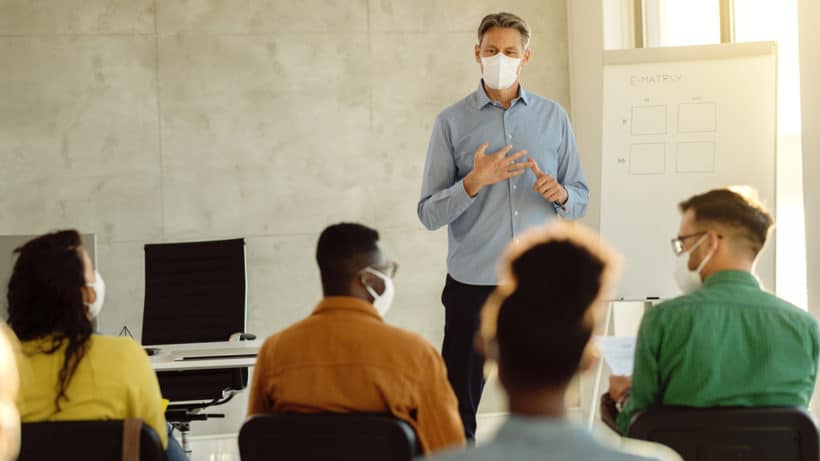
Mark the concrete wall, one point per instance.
(586, 29)
(151, 121)
(586, 44)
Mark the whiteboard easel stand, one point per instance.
(599, 372)
(596, 383)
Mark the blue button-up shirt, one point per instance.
(480, 227)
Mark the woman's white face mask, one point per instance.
(99, 288)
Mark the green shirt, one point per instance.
(727, 344)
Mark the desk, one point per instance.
(201, 372)
(205, 356)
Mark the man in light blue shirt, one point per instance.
(532, 176)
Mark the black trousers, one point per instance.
(465, 367)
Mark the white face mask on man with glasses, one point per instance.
(384, 300)
(689, 280)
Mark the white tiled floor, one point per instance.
(214, 448)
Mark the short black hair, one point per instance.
(342, 252)
(543, 327)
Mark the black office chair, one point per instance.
(203, 286)
(320, 437)
(730, 433)
(85, 441)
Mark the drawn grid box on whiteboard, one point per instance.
(696, 157)
(720, 116)
(696, 117)
(648, 158)
(648, 120)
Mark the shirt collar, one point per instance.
(333, 304)
(481, 98)
(732, 277)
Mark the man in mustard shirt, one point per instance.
(343, 358)
(726, 342)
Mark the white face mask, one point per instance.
(99, 288)
(381, 302)
(500, 71)
(689, 280)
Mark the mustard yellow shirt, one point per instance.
(114, 380)
(345, 359)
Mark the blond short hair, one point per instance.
(508, 21)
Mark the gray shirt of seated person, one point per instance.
(528, 439)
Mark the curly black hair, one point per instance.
(45, 299)
(543, 325)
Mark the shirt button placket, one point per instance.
(511, 182)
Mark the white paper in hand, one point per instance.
(618, 353)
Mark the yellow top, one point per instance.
(114, 380)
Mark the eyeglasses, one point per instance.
(389, 269)
(677, 242)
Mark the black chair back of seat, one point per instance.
(730, 433)
(83, 441)
(315, 437)
(195, 292)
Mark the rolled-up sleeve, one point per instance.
(570, 174)
(443, 197)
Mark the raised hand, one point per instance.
(546, 186)
(490, 169)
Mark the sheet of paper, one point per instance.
(618, 353)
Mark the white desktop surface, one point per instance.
(205, 356)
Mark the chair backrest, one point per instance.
(201, 285)
(84, 441)
(314, 437)
(730, 433)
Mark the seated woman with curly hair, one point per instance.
(71, 373)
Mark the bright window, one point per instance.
(681, 22)
(757, 20)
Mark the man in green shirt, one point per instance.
(725, 342)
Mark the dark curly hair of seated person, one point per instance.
(547, 305)
(45, 299)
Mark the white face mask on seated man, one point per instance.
(689, 280)
(382, 302)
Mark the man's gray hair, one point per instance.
(505, 20)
